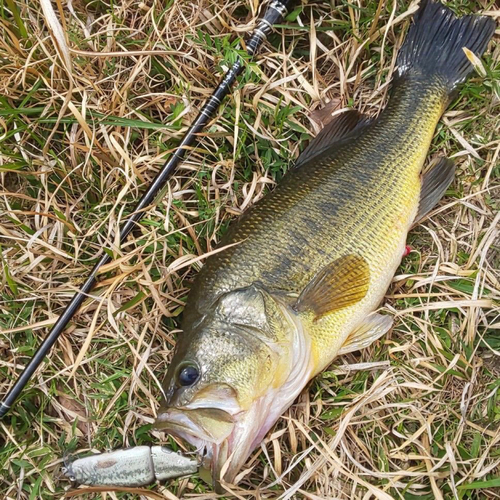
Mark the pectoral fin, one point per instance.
(339, 284)
(374, 326)
(434, 184)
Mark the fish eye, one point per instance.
(188, 375)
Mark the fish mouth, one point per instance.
(223, 441)
(198, 426)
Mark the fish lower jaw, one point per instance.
(199, 443)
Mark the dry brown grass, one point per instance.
(94, 97)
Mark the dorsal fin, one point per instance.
(344, 126)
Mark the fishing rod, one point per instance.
(274, 13)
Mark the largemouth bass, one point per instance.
(314, 258)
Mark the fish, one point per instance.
(300, 275)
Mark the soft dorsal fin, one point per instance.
(434, 184)
(342, 127)
(339, 284)
(372, 328)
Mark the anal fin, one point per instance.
(434, 184)
(374, 326)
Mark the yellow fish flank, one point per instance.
(315, 257)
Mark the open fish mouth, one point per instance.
(222, 440)
(213, 432)
(200, 425)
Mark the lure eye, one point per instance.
(188, 375)
(68, 473)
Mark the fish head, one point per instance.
(231, 377)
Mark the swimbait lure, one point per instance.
(137, 466)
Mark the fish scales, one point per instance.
(302, 272)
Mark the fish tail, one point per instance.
(434, 46)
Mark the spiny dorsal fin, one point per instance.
(339, 284)
(344, 126)
(434, 184)
(372, 328)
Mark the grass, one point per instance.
(417, 415)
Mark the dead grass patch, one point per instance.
(88, 114)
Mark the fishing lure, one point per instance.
(137, 466)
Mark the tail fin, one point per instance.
(434, 44)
